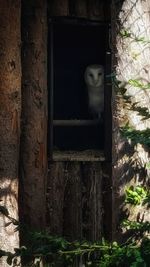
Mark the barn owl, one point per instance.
(94, 79)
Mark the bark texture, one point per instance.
(33, 164)
(131, 52)
(10, 104)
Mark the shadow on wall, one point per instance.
(133, 164)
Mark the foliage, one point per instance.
(126, 33)
(137, 83)
(139, 227)
(136, 195)
(137, 136)
(132, 254)
(121, 89)
(55, 251)
(4, 211)
(142, 111)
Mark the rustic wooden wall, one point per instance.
(79, 192)
(91, 9)
(74, 200)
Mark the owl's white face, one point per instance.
(94, 75)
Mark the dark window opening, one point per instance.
(73, 47)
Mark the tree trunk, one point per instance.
(131, 50)
(10, 98)
(33, 164)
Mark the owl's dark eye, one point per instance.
(99, 74)
(91, 75)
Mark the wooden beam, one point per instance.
(85, 156)
(76, 122)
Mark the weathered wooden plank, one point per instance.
(107, 104)
(55, 198)
(81, 8)
(90, 9)
(72, 201)
(92, 200)
(79, 156)
(107, 200)
(58, 8)
(95, 9)
(107, 10)
(76, 122)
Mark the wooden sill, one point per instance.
(86, 155)
(76, 122)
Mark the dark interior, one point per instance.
(75, 47)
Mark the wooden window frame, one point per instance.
(104, 155)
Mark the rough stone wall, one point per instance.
(130, 104)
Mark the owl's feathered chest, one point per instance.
(96, 99)
(94, 79)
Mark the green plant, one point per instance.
(139, 84)
(142, 111)
(136, 136)
(138, 227)
(54, 251)
(126, 33)
(136, 195)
